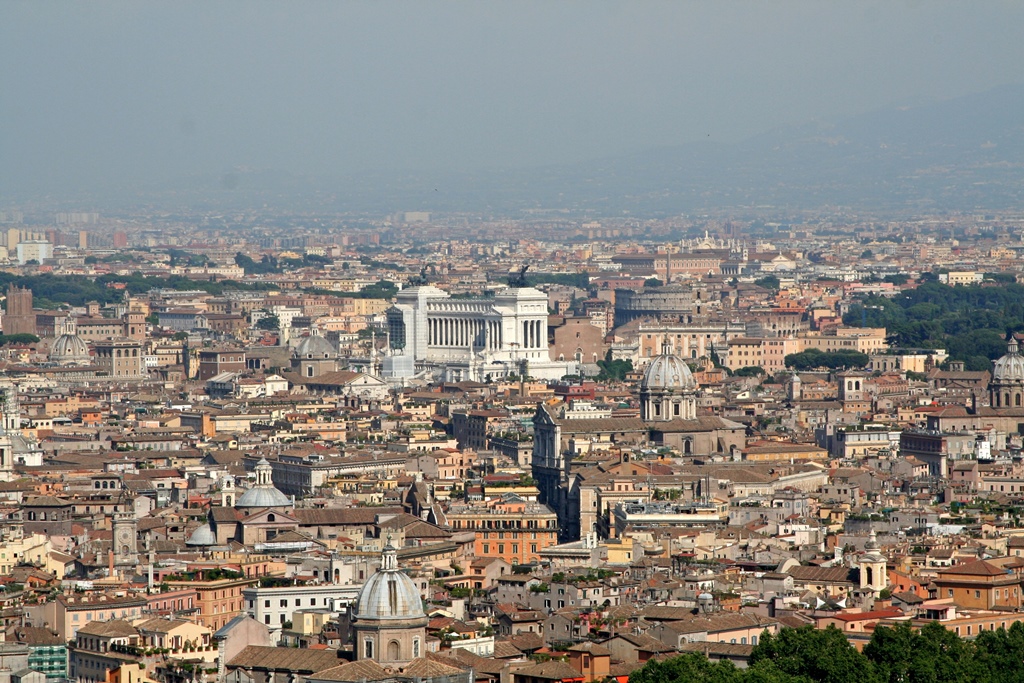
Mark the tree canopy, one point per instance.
(895, 654)
(970, 322)
(833, 360)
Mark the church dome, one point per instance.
(202, 536)
(314, 346)
(69, 348)
(263, 497)
(263, 494)
(668, 372)
(389, 594)
(1009, 369)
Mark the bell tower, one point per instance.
(227, 492)
(874, 575)
(125, 534)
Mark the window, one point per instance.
(977, 594)
(266, 603)
(487, 548)
(368, 649)
(415, 647)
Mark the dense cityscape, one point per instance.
(450, 448)
(511, 342)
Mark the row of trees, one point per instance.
(50, 291)
(970, 322)
(833, 360)
(897, 654)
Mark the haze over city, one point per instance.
(113, 97)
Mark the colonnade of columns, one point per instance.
(532, 331)
(461, 332)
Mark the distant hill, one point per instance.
(960, 154)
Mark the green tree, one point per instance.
(688, 668)
(769, 282)
(998, 655)
(270, 322)
(613, 370)
(383, 289)
(835, 360)
(934, 654)
(819, 655)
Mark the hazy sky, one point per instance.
(98, 93)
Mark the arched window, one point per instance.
(271, 517)
(1016, 400)
(394, 651)
(870, 575)
(415, 647)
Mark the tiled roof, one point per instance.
(359, 670)
(115, 628)
(977, 568)
(285, 659)
(553, 670)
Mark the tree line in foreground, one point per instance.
(897, 654)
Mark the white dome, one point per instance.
(69, 348)
(1009, 369)
(314, 346)
(668, 372)
(389, 594)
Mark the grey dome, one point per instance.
(668, 372)
(1009, 369)
(68, 348)
(263, 494)
(314, 346)
(263, 497)
(202, 536)
(389, 594)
